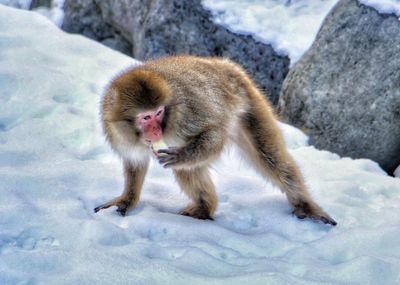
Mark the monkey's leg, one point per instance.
(197, 184)
(262, 142)
(134, 177)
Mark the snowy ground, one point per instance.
(55, 168)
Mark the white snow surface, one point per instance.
(22, 4)
(55, 13)
(55, 167)
(384, 6)
(397, 172)
(290, 26)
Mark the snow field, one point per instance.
(55, 168)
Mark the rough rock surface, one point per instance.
(84, 17)
(156, 28)
(345, 91)
(40, 3)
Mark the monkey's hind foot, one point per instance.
(122, 205)
(306, 210)
(197, 212)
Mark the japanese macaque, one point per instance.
(196, 106)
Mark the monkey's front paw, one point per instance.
(170, 157)
(122, 205)
(196, 212)
(316, 214)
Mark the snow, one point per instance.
(22, 4)
(55, 13)
(384, 6)
(290, 26)
(55, 167)
(397, 171)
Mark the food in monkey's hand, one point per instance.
(156, 146)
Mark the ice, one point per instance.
(55, 167)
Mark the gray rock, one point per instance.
(345, 91)
(157, 28)
(84, 17)
(40, 3)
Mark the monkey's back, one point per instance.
(217, 82)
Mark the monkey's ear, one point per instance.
(110, 99)
(112, 94)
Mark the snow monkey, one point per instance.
(196, 105)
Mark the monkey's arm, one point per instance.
(134, 177)
(200, 149)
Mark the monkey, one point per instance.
(197, 105)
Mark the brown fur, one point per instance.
(134, 178)
(197, 184)
(208, 102)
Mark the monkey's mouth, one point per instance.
(155, 146)
(150, 145)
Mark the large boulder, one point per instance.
(345, 91)
(84, 17)
(157, 28)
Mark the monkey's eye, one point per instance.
(159, 113)
(148, 117)
(128, 120)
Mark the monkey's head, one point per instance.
(134, 108)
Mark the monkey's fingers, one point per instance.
(171, 164)
(168, 161)
(121, 205)
(171, 150)
(166, 158)
(102, 207)
(323, 217)
(328, 220)
(120, 209)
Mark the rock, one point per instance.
(157, 28)
(40, 3)
(84, 17)
(345, 91)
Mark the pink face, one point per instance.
(150, 124)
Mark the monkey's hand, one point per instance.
(122, 205)
(200, 149)
(170, 157)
